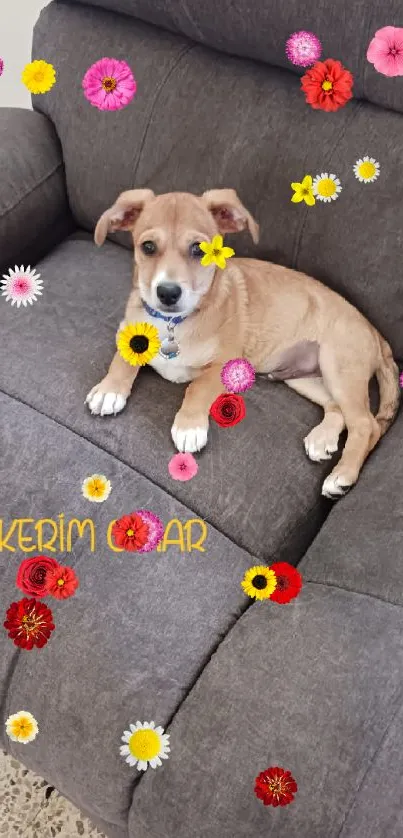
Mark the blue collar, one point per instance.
(153, 313)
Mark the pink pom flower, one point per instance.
(385, 51)
(155, 530)
(1, 66)
(238, 375)
(109, 84)
(183, 467)
(401, 379)
(303, 48)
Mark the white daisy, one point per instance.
(145, 745)
(366, 169)
(326, 187)
(22, 286)
(22, 727)
(96, 488)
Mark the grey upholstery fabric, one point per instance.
(34, 213)
(253, 29)
(257, 113)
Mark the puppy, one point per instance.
(285, 323)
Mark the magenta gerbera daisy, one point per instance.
(155, 529)
(303, 48)
(109, 84)
(21, 286)
(238, 375)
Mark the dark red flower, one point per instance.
(62, 582)
(228, 409)
(327, 85)
(275, 787)
(32, 575)
(130, 532)
(289, 582)
(29, 623)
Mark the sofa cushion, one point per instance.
(260, 31)
(309, 687)
(353, 243)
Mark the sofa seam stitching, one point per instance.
(30, 191)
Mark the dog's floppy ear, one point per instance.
(229, 213)
(123, 214)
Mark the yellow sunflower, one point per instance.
(96, 488)
(138, 343)
(215, 252)
(259, 582)
(22, 727)
(39, 76)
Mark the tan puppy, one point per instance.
(285, 323)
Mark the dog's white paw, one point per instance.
(321, 443)
(105, 404)
(336, 485)
(189, 438)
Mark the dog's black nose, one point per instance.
(168, 293)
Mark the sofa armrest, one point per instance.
(34, 210)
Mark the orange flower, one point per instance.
(130, 532)
(61, 582)
(327, 85)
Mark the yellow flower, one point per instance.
(145, 744)
(215, 252)
(259, 582)
(138, 343)
(326, 187)
(22, 727)
(366, 169)
(303, 192)
(39, 76)
(96, 488)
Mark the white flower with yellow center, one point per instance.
(96, 488)
(326, 187)
(366, 169)
(22, 727)
(145, 745)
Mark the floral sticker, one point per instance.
(109, 84)
(215, 252)
(22, 727)
(21, 286)
(39, 76)
(145, 745)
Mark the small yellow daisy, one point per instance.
(96, 488)
(303, 192)
(22, 727)
(39, 76)
(326, 187)
(366, 169)
(145, 744)
(215, 252)
(259, 582)
(138, 343)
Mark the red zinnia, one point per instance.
(130, 532)
(275, 787)
(29, 623)
(33, 573)
(289, 582)
(62, 582)
(327, 85)
(228, 409)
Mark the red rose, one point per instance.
(327, 85)
(275, 787)
(289, 582)
(62, 582)
(32, 575)
(29, 623)
(130, 532)
(228, 409)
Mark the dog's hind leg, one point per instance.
(323, 439)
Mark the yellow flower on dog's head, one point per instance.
(39, 76)
(138, 343)
(22, 727)
(259, 582)
(215, 252)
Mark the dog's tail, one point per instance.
(389, 387)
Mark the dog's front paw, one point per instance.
(104, 402)
(189, 432)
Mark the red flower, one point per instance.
(62, 582)
(275, 787)
(29, 623)
(33, 573)
(228, 409)
(130, 532)
(327, 85)
(289, 582)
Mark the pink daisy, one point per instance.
(21, 286)
(182, 467)
(303, 48)
(109, 84)
(238, 375)
(155, 530)
(1, 66)
(385, 51)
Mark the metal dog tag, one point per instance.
(169, 346)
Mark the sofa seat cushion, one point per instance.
(254, 482)
(309, 687)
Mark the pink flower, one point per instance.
(303, 48)
(401, 379)
(183, 467)
(385, 51)
(155, 530)
(1, 66)
(109, 84)
(238, 375)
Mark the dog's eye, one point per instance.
(149, 248)
(195, 251)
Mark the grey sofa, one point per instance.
(314, 686)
